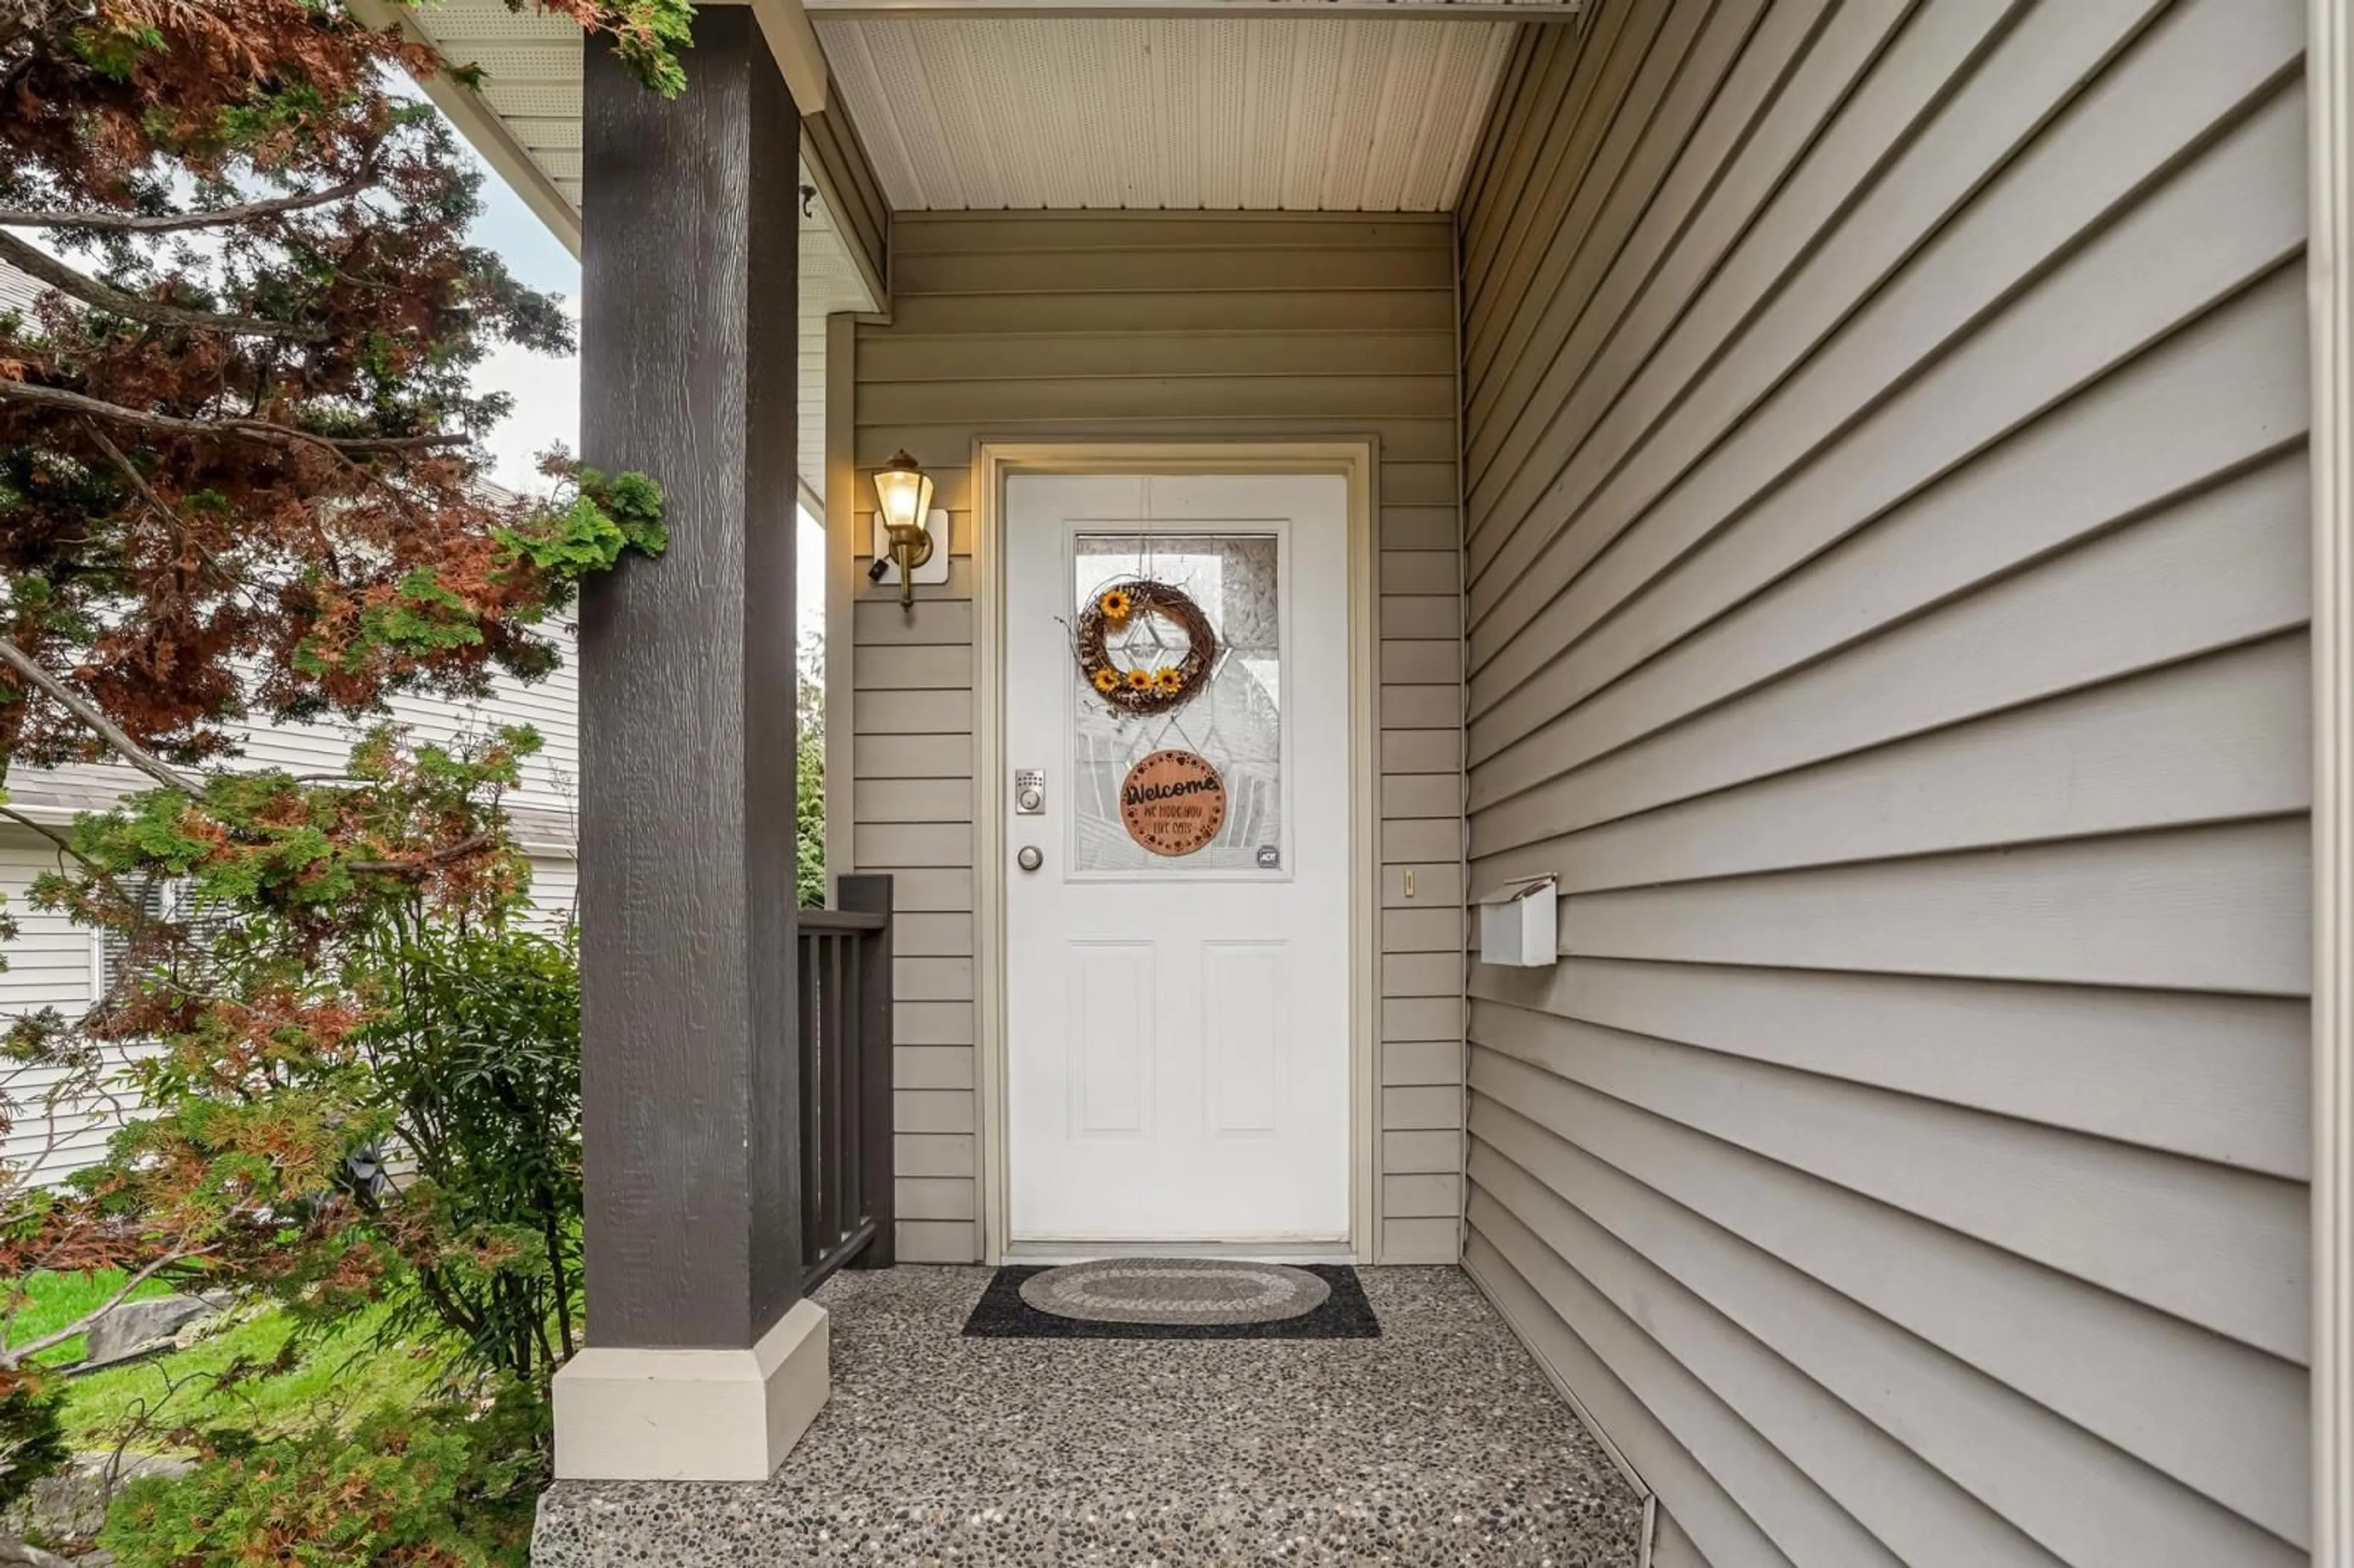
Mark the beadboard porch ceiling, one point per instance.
(1275, 105)
(1268, 114)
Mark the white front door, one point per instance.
(1177, 979)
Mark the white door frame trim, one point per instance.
(2329, 74)
(1356, 460)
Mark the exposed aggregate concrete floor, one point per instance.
(1440, 1443)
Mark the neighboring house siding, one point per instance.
(51, 963)
(545, 803)
(55, 964)
(19, 292)
(554, 892)
(1887, 533)
(1150, 326)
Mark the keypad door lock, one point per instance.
(1030, 792)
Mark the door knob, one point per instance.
(1029, 858)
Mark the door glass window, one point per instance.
(1231, 715)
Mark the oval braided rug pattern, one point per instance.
(1175, 1291)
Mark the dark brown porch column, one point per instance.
(702, 1365)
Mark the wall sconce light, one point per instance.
(905, 491)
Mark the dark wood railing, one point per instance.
(845, 1001)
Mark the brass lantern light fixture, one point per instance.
(905, 493)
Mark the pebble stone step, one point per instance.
(1439, 1442)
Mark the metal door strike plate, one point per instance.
(1029, 792)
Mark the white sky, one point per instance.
(546, 390)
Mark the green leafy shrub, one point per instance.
(473, 1052)
(436, 1489)
(366, 1086)
(808, 773)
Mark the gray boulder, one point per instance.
(71, 1505)
(137, 1325)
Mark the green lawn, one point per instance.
(341, 1376)
(59, 1299)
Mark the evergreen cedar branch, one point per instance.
(237, 462)
(239, 479)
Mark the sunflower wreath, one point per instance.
(1138, 690)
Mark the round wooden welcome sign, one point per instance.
(1173, 802)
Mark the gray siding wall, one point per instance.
(1887, 550)
(1135, 326)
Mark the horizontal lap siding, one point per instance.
(911, 811)
(833, 153)
(1179, 326)
(1887, 553)
(555, 894)
(51, 963)
(547, 795)
(550, 785)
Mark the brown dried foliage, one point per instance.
(199, 521)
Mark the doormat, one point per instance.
(1174, 1298)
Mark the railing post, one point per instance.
(808, 1063)
(871, 893)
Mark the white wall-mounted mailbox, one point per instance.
(1519, 924)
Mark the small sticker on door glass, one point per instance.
(1270, 858)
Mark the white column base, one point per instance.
(626, 1414)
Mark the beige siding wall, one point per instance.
(837, 160)
(1887, 538)
(1180, 327)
